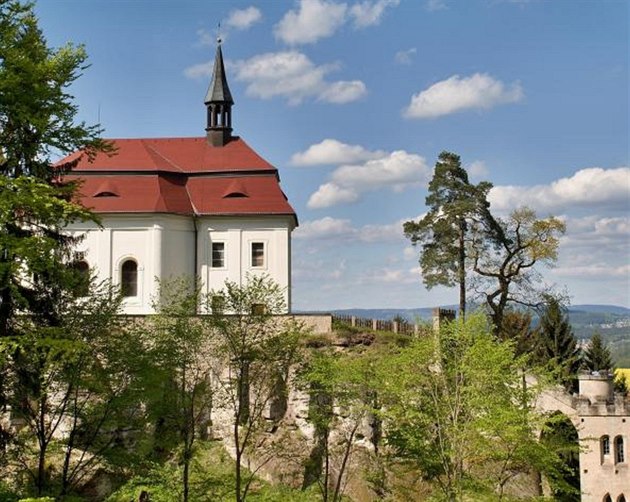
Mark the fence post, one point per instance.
(374, 324)
(353, 321)
(415, 330)
(395, 326)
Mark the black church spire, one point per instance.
(219, 103)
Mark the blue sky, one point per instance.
(353, 101)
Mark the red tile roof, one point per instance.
(182, 155)
(180, 176)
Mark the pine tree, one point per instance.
(597, 355)
(556, 345)
(454, 203)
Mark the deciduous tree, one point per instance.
(181, 349)
(505, 266)
(455, 408)
(256, 350)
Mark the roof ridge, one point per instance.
(152, 151)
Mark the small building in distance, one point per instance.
(204, 206)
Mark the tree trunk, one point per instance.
(461, 269)
(237, 465)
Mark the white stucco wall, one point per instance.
(238, 234)
(164, 246)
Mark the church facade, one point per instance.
(207, 206)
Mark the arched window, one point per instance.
(82, 277)
(604, 446)
(619, 453)
(621, 498)
(607, 498)
(129, 278)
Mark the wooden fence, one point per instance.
(400, 327)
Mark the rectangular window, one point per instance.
(258, 309)
(258, 254)
(218, 255)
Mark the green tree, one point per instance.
(254, 350)
(457, 408)
(37, 124)
(454, 203)
(597, 355)
(556, 345)
(505, 265)
(37, 115)
(182, 354)
(76, 379)
(342, 382)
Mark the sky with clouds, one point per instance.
(353, 100)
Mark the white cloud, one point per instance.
(434, 5)
(324, 228)
(330, 194)
(398, 170)
(370, 13)
(201, 70)
(342, 92)
(479, 91)
(205, 38)
(405, 57)
(477, 169)
(596, 271)
(331, 151)
(292, 75)
(391, 275)
(342, 230)
(313, 19)
(242, 19)
(587, 187)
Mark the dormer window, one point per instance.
(236, 189)
(234, 195)
(106, 189)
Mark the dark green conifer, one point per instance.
(556, 345)
(454, 204)
(597, 355)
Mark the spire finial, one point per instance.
(219, 39)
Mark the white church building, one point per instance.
(207, 206)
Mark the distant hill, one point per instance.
(578, 314)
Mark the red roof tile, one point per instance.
(180, 176)
(184, 155)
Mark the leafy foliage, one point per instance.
(505, 268)
(255, 351)
(457, 408)
(37, 115)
